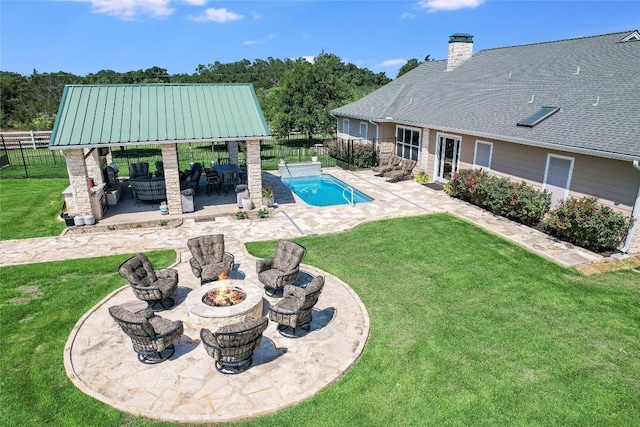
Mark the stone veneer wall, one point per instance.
(458, 53)
(254, 172)
(93, 166)
(77, 170)
(172, 178)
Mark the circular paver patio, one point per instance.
(100, 361)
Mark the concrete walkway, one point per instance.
(99, 359)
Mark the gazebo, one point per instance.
(92, 119)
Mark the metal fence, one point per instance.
(26, 154)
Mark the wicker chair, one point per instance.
(294, 310)
(209, 257)
(232, 346)
(152, 336)
(147, 284)
(281, 270)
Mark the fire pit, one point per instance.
(224, 296)
(223, 302)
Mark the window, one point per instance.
(407, 142)
(482, 156)
(345, 126)
(363, 130)
(537, 117)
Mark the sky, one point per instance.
(86, 36)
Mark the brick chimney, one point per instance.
(460, 49)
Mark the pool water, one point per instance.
(323, 190)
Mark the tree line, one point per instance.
(295, 95)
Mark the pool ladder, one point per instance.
(350, 201)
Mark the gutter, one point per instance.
(634, 214)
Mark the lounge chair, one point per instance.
(281, 270)
(154, 287)
(392, 163)
(294, 310)
(152, 336)
(404, 171)
(232, 346)
(209, 257)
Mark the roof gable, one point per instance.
(101, 115)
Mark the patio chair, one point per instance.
(232, 346)
(294, 310)
(209, 257)
(139, 170)
(406, 167)
(281, 270)
(152, 336)
(147, 284)
(192, 177)
(392, 163)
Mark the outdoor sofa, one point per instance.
(148, 189)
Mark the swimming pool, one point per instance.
(323, 190)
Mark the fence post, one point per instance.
(24, 161)
(33, 139)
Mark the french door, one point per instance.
(447, 157)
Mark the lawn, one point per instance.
(31, 207)
(466, 329)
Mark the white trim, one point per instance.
(570, 174)
(475, 154)
(404, 144)
(438, 160)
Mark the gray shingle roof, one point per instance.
(594, 80)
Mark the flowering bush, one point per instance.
(587, 223)
(519, 202)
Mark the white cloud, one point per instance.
(393, 62)
(309, 58)
(259, 41)
(437, 5)
(129, 9)
(407, 16)
(217, 15)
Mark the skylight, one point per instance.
(537, 117)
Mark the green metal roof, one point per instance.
(107, 115)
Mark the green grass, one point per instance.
(31, 207)
(466, 329)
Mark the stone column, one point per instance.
(172, 178)
(77, 170)
(254, 172)
(93, 166)
(232, 149)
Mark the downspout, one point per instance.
(634, 214)
(377, 130)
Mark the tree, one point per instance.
(411, 64)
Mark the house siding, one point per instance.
(614, 182)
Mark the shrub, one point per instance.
(519, 202)
(422, 178)
(587, 223)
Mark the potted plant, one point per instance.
(422, 178)
(267, 196)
